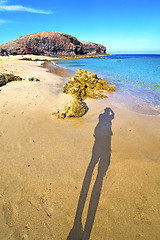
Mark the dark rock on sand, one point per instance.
(33, 79)
(33, 60)
(3, 52)
(6, 78)
(50, 44)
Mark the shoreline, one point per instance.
(133, 103)
(55, 69)
(44, 161)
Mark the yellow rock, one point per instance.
(83, 84)
(90, 84)
(75, 109)
(109, 87)
(98, 86)
(95, 94)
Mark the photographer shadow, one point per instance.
(101, 154)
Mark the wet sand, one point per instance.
(96, 177)
(55, 69)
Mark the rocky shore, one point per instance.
(82, 85)
(50, 44)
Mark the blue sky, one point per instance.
(123, 26)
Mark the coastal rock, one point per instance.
(90, 48)
(83, 84)
(86, 84)
(33, 79)
(50, 44)
(6, 78)
(60, 115)
(75, 109)
(3, 52)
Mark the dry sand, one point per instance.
(50, 185)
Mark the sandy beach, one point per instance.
(95, 176)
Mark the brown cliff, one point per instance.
(50, 44)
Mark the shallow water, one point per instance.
(136, 75)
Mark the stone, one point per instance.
(51, 44)
(93, 48)
(6, 78)
(3, 52)
(61, 115)
(95, 94)
(109, 87)
(75, 108)
(33, 79)
(82, 85)
(99, 86)
(86, 84)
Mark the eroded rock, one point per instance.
(82, 85)
(86, 84)
(50, 44)
(3, 52)
(75, 108)
(6, 78)
(60, 115)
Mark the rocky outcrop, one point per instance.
(86, 84)
(90, 48)
(50, 44)
(6, 78)
(75, 108)
(3, 52)
(82, 85)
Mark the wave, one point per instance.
(56, 65)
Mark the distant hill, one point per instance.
(50, 44)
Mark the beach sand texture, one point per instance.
(95, 177)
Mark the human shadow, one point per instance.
(101, 154)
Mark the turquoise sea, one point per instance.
(137, 75)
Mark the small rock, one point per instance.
(61, 115)
(75, 109)
(33, 79)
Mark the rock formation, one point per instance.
(90, 48)
(86, 84)
(50, 44)
(75, 108)
(82, 85)
(6, 78)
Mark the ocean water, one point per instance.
(136, 75)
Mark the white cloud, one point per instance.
(20, 8)
(2, 21)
